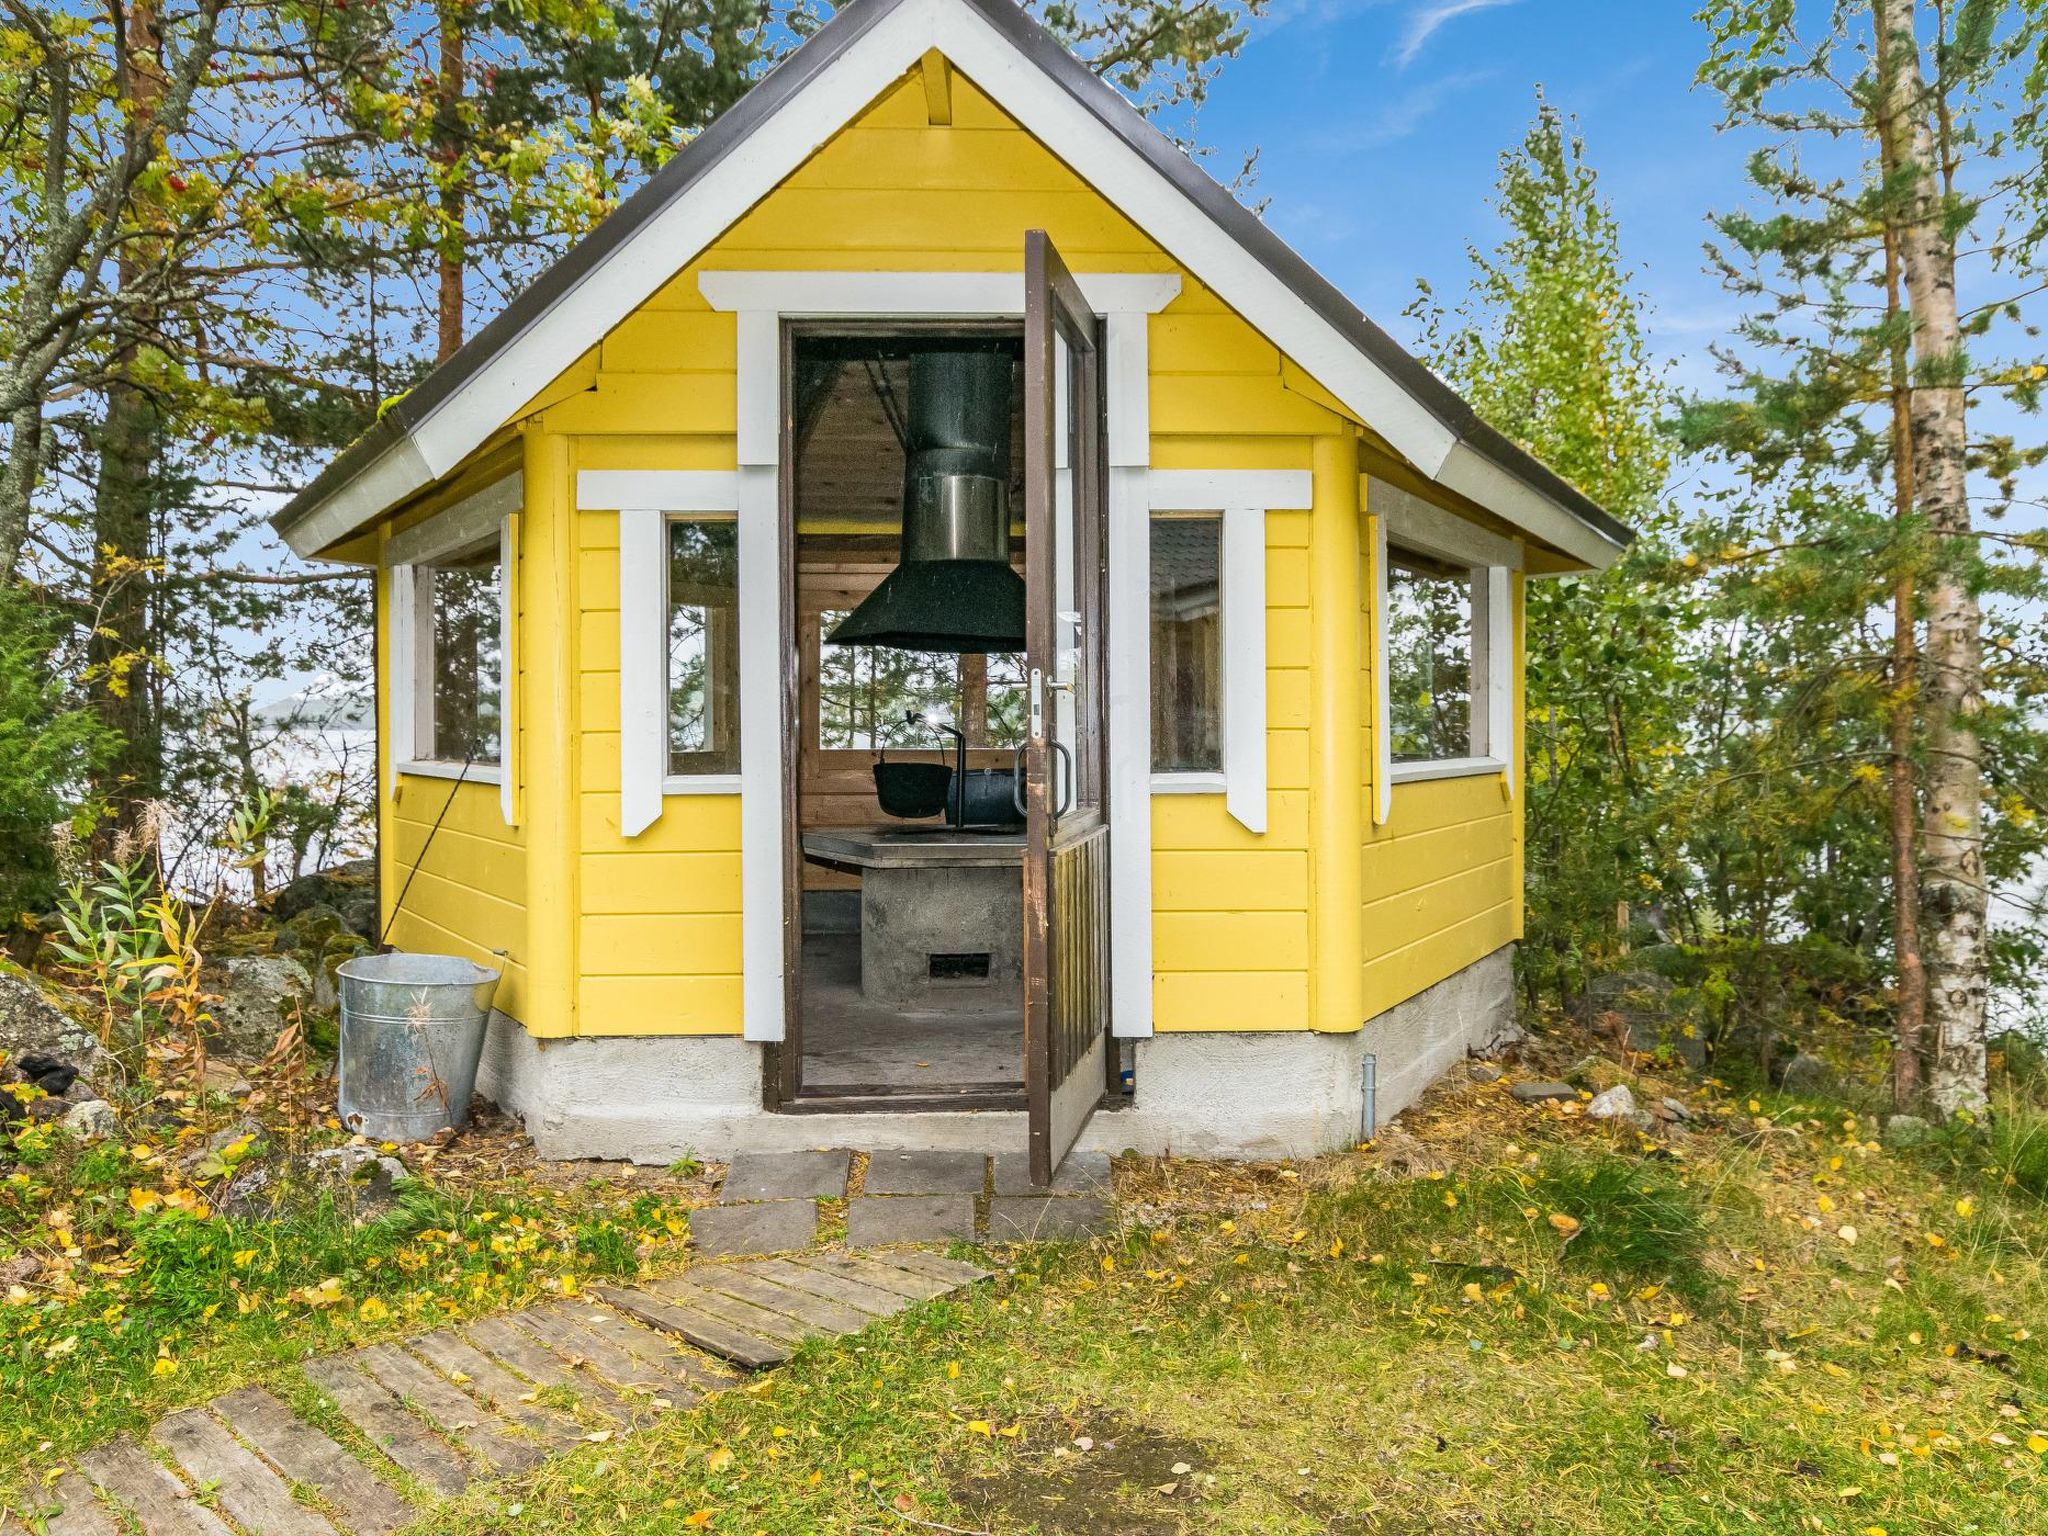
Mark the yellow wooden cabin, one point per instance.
(931, 431)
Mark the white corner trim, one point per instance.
(758, 426)
(508, 656)
(904, 294)
(1501, 657)
(1447, 768)
(761, 728)
(1243, 604)
(469, 521)
(657, 490)
(643, 754)
(1214, 490)
(401, 698)
(1128, 383)
(1130, 749)
(477, 773)
(1383, 704)
(1189, 784)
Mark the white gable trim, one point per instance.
(676, 235)
(951, 294)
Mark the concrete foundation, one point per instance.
(942, 938)
(1255, 1094)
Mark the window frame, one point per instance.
(711, 783)
(1402, 521)
(1196, 781)
(488, 517)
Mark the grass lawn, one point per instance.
(1538, 1323)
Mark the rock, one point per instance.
(1806, 1074)
(1537, 1092)
(1907, 1131)
(380, 1171)
(220, 1077)
(92, 1120)
(347, 890)
(309, 932)
(1481, 1072)
(1616, 1103)
(258, 995)
(1636, 1009)
(35, 1023)
(1676, 1109)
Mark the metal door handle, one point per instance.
(1067, 804)
(1017, 780)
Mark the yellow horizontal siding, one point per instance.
(659, 1005)
(1212, 1000)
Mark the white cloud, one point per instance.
(1427, 18)
(1399, 116)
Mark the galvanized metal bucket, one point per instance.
(412, 1032)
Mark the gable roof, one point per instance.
(802, 103)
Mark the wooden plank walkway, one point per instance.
(433, 1414)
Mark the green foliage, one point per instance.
(48, 743)
(107, 939)
(1548, 345)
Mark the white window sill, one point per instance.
(701, 784)
(477, 773)
(1447, 768)
(1189, 784)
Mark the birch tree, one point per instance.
(1889, 132)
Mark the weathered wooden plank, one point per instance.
(541, 1365)
(654, 1349)
(742, 1281)
(305, 1455)
(838, 1285)
(700, 1329)
(400, 1435)
(470, 1367)
(160, 1504)
(454, 1412)
(938, 1268)
(614, 1362)
(882, 1273)
(738, 1311)
(65, 1508)
(256, 1497)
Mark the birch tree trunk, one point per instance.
(1910, 1031)
(1952, 858)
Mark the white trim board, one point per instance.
(657, 490)
(835, 94)
(473, 519)
(804, 293)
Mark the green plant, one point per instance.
(610, 1248)
(106, 938)
(2018, 1145)
(47, 746)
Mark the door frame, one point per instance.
(760, 301)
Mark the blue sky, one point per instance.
(1379, 124)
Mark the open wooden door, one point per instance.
(1065, 780)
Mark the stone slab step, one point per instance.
(244, 1485)
(305, 1455)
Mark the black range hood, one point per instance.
(953, 589)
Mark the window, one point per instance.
(1187, 644)
(460, 597)
(866, 693)
(1429, 660)
(703, 647)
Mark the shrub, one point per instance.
(48, 740)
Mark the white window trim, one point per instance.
(649, 500)
(1243, 498)
(1411, 523)
(407, 555)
